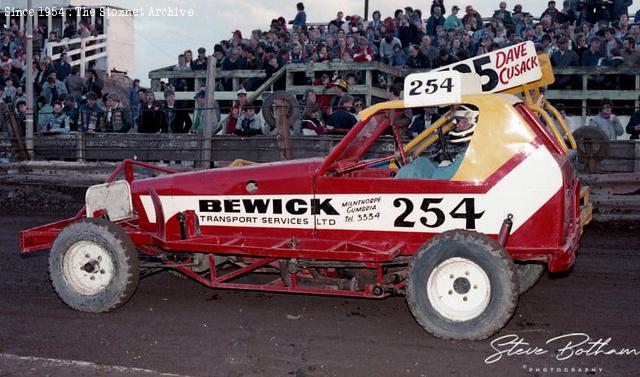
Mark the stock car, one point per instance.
(376, 217)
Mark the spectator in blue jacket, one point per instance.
(53, 88)
(301, 16)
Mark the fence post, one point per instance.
(80, 146)
(284, 130)
(368, 81)
(83, 45)
(209, 114)
(636, 156)
(583, 111)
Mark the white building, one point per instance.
(118, 27)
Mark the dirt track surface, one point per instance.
(175, 326)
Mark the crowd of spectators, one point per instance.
(579, 32)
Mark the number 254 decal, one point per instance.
(464, 210)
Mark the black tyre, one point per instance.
(267, 107)
(462, 285)
(528, 274)
(93, 266)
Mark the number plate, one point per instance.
(502, 69)
(432, 89)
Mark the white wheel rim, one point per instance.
(87, 267)
(458, 289)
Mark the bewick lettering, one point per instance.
(294, 206)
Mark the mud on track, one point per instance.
(177, 327)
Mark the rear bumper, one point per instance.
(563, 258)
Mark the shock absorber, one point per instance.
(505, 230)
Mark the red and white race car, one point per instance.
(461, 219)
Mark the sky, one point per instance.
(159, 39)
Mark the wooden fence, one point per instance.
(373, 90)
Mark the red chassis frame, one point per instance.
(264, 254)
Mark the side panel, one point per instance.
(234, 201)
(409, 210)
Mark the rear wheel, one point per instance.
(93, 266)
(528, 274)
(462, 285)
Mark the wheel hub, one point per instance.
(461, 286)
(87, 267)
(459, 289)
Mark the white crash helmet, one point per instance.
(464, 136)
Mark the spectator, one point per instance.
(9, 91)
(116, 118)
(399, 57)
(231, 63)
(62, 67)
(567, 14)
(580, 45)
(93, 83)
(174, 119)
(150, 115)
(376, 22)
(386, 48)
(45, 112)
(198, 122)
(470, 14)
(90, 115)
(72, 111)
(21, 117)
(606, 121)
(236, 111)
(445, 58)
(69, 29)
(417, 59)
(630, 54)
(342, 120)
(453, 22)
(437, 3)
(633, 127)
(200, 63)
(53, 89)
(341, 49)
(338, 21)
(564, 57)
(592, 56)
(59, 121)
(427, 49)
(311, 123)
(74, 83)
(249, 124)
(19, 96)
(435, 20)
(610, 41)
(183, 65)
(563, 113)
(503, 15)
(297, 54)
(408, 32)
(363, 53)
(83, 31)
(218, 53)
(301, 16)
(551, 11)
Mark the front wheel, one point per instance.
(93, 266)
(462, 285)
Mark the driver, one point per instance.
(451, 147)
(443, 158)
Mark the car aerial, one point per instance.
(461, 219)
